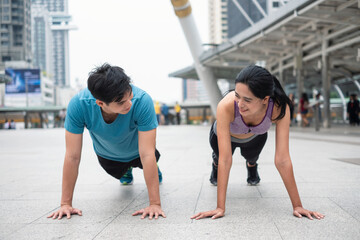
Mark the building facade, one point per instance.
(193, 91)
(218, 27)
(15, 31)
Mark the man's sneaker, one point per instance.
(160, 175)
(213, 176)
(127, 178)
(253, 176)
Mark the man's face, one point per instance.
(121, 107)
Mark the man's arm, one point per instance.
(148, 160)
(70, 173)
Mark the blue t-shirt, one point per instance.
(118, 140)
(164, 109)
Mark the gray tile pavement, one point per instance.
(30, 188)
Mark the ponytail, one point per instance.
(280, 98)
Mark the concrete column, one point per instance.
(204, 114)
(187, 116)
(298, 73)
(2, 94)
(26, 119)
(325, 76)
(281, 73)
(41, 120)
(316, 111)
(183, 11)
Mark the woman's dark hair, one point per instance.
(109, 83)
(304, 96)
(261, 83)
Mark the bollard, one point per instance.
(317, 122)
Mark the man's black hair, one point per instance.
(109, 83)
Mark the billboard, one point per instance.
(21, 78)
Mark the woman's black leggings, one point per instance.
(249, 150)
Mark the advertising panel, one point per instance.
(21, 78)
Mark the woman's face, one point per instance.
(247, 103)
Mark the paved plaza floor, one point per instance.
(326, 166)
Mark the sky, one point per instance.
(143, 37)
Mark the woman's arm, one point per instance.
(285, 168)
(225, 115)
(283, 161)
(225, 156)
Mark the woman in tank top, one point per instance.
(243, 118)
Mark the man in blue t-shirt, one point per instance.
(122, 124)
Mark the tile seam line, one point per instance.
(198, 197)
(278, 230)
(257, 188)
(343, 209)
(27, 224)
(118, 215)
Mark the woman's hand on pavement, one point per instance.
(299, 212)
(217, 213)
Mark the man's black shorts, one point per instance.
(118, 169)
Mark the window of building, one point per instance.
(276, 4)
(6, 58)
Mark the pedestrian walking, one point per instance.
(353, 110)
(177, 109)
(304, 109)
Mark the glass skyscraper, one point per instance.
(41, 38)
(228, 18)
(59, 25)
